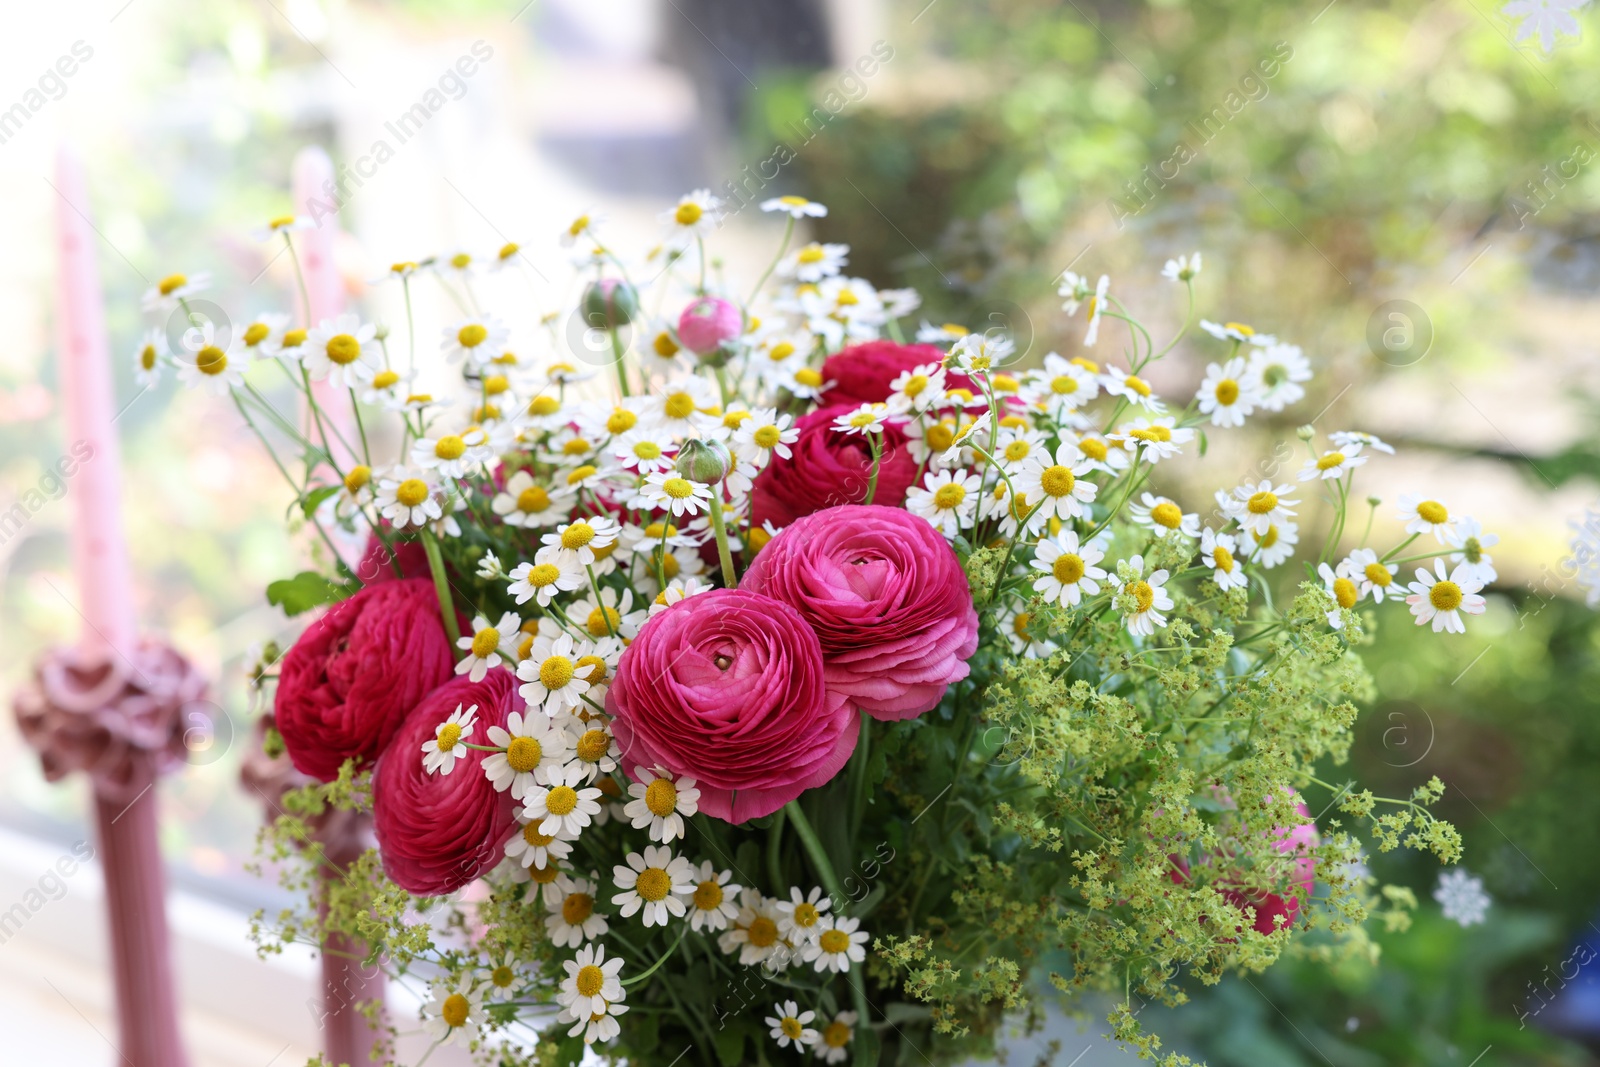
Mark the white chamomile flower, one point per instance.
(532, 750)
(1069, 571)
(174, 288)
(1272, 546)
(898, 303)
(147, 358)
(980, 353)
(796, 207)
(591, 984)
(1426, 516)
(583, 225)
(916, 390)
(643, 450)
(834, 1044)
(1153, 439)
(565, 805)
(503, 978)
(458, 266)
(261, 336)
(1057, 483)
(593, 745)
(677, 589)
(838, 944)
(763, 435)
(406, 497)
(387, 389)
(800, 918)
(572, 919)
(453, 455)
(488, 646)
(550, 674)
(1097, 307)
(660, 801)
(1132, 388)
(1374, 578)
(1062, 386)
(965, 438)
(1015, 444)
(1355, 439)
(791, 1026)
(656, 882)
(1225, 395)
(542, 581)
(1162, 516)
(864, 420)
(1022, 631)
(714, 903)
(696, 215)
(575, 543)
(1258, 506)
(1236, 331)
(342, 351)
(1220, 553)
(680, 407)
(1468, 536)
(1332, 464)
(524, 502)
(532, 847)
(754, 934)
(670, 492)
(476, 340)
(440, 754)
(1099, 452)
(929, 334)
(1440, 597)
(946, 499)
(282, 225)
(1181, 268)
(1346, 594)
(610, 616)
(1148, 598)
(213, 370)
(455, 1013)
(1277, 374)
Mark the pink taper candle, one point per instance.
(147, 1020)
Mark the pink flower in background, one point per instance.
(1276, 906)
(861, 373)
(707, 323)
(437, 832)
(727, 687)
(350, 679)
(887, 598)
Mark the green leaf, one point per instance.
(868, 1047)
(569, 1051)
(730, 1045)
(305, 591)
(312, 500)
(1202, 442)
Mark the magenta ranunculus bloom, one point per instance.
(437, 832)
(887, 598)
(349, 681)
(707, 323)
(727, 687)
(861, 373)
(828, 467)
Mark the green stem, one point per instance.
(653, 967)
(724, 554)
(830, 882)
(788, 232)
(622, 369)
(441, 586)
(874, 442)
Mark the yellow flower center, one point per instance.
(562, 800)
(485, 641)
(524, 754)
(280, 222)
(211, 360)
(589, 981)
(708, 895)
(1143, 595)
(767, 436)
(1019, 625)
(531, 834)
(678, 406)
(915, 385)
(763, 932)
(1269, 538)
(653, 884)
(411, 492)
(780, 351)
(543, 405)
(591, 669)
(343, 349)
(1137, 384)
(949, 496)
(579, 224)
(1330, 461)
(834, 941)
(1018, 450)
(533, 500)
(1378, 575)
(509, 249)
(939, 436)
(543, 574)
(454, 1010)
(359, 476)
(664, 345)
(577, 908)
(806, 914)
(496, 384)
(556, 672)
(471, 336)
(450, 447)
(661, 797)
(1240, 327)
(255, 333)
(688, 214)
(1057, 480)
(793, 201)
(1068, 568)
(678, 488)
(293, 338)
(502, 977)
(621, 420)
(1227, 391)
(1223, 559)
(735, 419)
(847, 298)
(1445, 596)
(807, 377)
(1344, 591)
(1431, 511)
(812, 253)
(602, 621)
(669, 566)
(836, 1035)
(862, 419)
(402, 267)
(542, 875)
(579, 473)
(577, 535)
(460, 261)
(1167, 514)
(593, 745)
(1005, 383)
(1094, 448)
(1262, 503)
(791, 1028)
(384, 378)
(171, 282)
(147, 357)
(449, 734)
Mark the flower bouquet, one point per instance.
(743, 682)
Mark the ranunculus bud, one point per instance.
(609, 303)
(707, 324)
(704, 461)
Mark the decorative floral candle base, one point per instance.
(789, 688)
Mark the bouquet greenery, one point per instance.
(741, 681)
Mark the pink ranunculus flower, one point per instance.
(437, 832)
(1278, 904)
(861, 373)
(707, 323)
(828, 466)
(887, 598)
(353, 675)
(727, 687)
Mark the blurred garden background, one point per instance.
(1414, 159)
